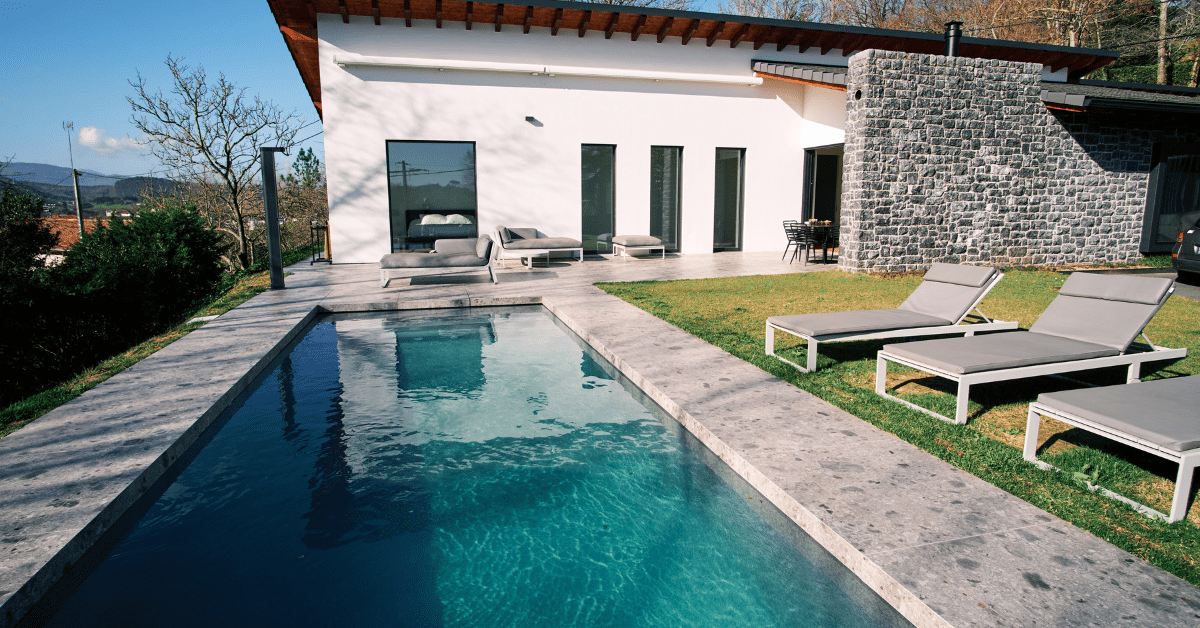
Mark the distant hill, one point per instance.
(94, 189)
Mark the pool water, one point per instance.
(482, 468)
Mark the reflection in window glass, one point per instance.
(666, 185)
(1180, 205)
(431, 192)
(727, 206)
(599, 196)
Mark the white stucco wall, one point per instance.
(530, 176)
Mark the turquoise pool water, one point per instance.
(481, 468)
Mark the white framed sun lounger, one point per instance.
(1155, 417)
(949, 293)
(1091, 324)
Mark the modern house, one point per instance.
(585, 120)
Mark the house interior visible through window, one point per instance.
(431, 192)
(666, 191)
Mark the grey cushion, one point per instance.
(432, 260)
(458, 245)
(517, 233)
(636, 240)
(483, 246)
(1110, 323)
(997, 351)
(829, 323)
(950, 301)
(1162, 412)
(544, 243)
(975, 276)
(1146, 290)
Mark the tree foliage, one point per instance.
(209, 132)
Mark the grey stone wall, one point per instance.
(958, 160)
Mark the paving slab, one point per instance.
(939, 544)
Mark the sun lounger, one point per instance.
(1091, 324)
(457, 254)
(1158, 417)
(526, 243)
(947, 295)
(623, 244)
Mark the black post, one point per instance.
(953, 35)
(271, 202)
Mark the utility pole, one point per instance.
(67, 126)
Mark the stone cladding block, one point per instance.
(959, 160)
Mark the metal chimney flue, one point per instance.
(953, 35)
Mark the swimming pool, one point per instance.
(466, 468)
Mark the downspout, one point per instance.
(953, 35)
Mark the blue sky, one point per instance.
(72, 61)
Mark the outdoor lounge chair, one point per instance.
(1091, 324)
(526, 243)
(457, 254)
(948, 293)
(1156, 417)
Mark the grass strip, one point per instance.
(243, 287)
(730, 314)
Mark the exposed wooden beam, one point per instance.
(762, 36)
(691, 30)
(408, 13)
(499, 16)
(297, 36)
(612, 25)
(786, 40)
(826, 46)
(555, 24)
(375, 11)
(470, 11)
(345, 11)
(583, 24)
(804, 40)
(739, 36)
(637, 28)
(716, 32)
(840, 88)
(666, 27)
(850, 45)
(528, 18)
(437, 9)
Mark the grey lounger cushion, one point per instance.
(948, 291)
(828, 323)
(461, 245)
(1162, 412)
(1109, 310)
(1012, 349)
(636, 240)
(517, 233)
(431, 260)
(543, 243)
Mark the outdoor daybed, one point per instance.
(948, 293)
(526, 243)
(1156, 417)
(1091, 324)
(623, 244)
(456, 254)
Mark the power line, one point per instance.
(1037, 21)
(311, 136)
(1151, 41)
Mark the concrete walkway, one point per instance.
(942, 546)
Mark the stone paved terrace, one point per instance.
(941, 545)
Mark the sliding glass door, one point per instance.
(729, 198)
(599, 196)
(666, 190)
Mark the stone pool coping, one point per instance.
(942, 546)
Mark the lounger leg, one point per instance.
(492, 272)
(1135, 373)
(770, 340)
(1183, 489)
(383, 279)
(880, 375)
(812, 355)
(1032, 425)
(960, 411)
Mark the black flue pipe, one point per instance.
(953, 35)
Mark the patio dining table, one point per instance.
(820, 235)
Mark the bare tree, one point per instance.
(209, 134)
(804, 10)
(676, 5)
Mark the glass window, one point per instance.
(434, 179)
(1173, 198)
(727, 206)
(666, 188)
(599, 196)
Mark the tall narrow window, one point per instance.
(1173, 197)
(730, 195)
(599, 196)
(431, 192)
(666, 188)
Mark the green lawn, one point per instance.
(730, 313)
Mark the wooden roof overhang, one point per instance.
(297, 20)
